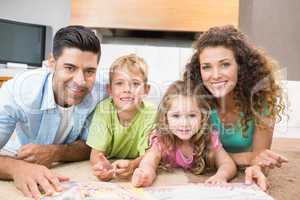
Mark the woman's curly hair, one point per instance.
(257, 91)
(200, 140)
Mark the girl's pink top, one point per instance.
(174, 156)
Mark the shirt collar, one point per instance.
(48, 101)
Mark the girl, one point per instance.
(181, 139)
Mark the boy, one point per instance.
(122, 122)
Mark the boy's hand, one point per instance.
(142, 178)
(124, 168)
(103, 169)
(216, 180)
(255, 174)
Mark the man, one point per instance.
(50, 111)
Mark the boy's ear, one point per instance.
(108, 89)
(51, 62)
(147, 89)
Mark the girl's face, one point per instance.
(219, 70)
(184, 117)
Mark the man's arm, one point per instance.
(6, 167)
(76, 151)
(48, 154)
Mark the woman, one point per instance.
(239, 81)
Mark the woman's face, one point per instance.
(219, 70)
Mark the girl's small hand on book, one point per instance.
(216, 180)
(142, 178)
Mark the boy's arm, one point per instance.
(101, 166)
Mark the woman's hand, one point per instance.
(268, 158)
(255, 174)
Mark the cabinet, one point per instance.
(169, 15)
(3, 79)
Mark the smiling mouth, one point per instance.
(127, 99)
(77, 92)
(219, 84)
(184, 131)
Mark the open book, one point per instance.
(114, 191)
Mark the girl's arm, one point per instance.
(261, 153)
(226, 167)
(145, 174)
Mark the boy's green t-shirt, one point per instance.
(108, 135)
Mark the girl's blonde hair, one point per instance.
(132, 63)
(199, 140)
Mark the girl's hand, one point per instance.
(216, 180)
(255, 174)
(123, 168)
(142, 177)
(269, 159)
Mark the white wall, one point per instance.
(274, 26)
(289, 126)
(54, 13)
(166, 63)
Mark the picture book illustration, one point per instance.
(113, 191)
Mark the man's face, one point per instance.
(74, 75)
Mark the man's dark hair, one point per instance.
(76, 37)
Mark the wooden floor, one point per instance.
(285, 181)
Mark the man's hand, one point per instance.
(31, 178)
(269, 159)
(103, 169)
(255, 174)
(37, 153)
(124, 168)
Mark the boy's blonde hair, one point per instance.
(200, 140)
(131, 62)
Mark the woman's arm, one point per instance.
(226, 168)
(145, 174)
(260, 154)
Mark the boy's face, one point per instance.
(127, 89)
